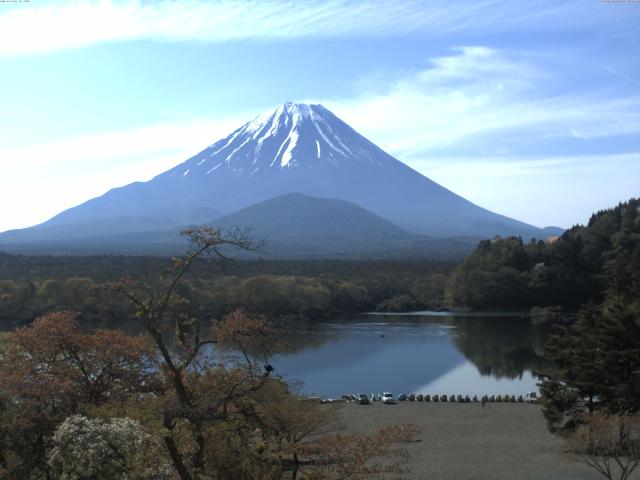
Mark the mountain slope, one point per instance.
(295, 215)
(296, 225)
(291, 226)
(294, 148)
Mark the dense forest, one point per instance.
(573, 269)
(31, 286)
(591, 390)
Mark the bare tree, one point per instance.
(610, 444)
(160, 308)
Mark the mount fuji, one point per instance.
(294, 148)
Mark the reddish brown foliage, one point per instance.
(609, 444)
(242, 331)
(53, 361)
(342, 457)
(49, 369)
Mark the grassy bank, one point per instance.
(502, 441)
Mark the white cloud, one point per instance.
(40, 194)
(52, 177)
(178, 138)
(501, 167)
(36, 27)
(479, 91)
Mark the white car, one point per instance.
(531, 397)
(388, 398)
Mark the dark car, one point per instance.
(363, 399)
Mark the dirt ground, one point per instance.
(502, 441)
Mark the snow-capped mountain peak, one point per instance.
(292, 135)
(294, 148)
(286, 113)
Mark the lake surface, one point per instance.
(422, 352)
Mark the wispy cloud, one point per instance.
(529, 166)
(484, 92)
(179, 139)
(33, 195)
(51, 177)
(37, 28)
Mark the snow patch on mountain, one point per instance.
(288, 137)
(292, 140)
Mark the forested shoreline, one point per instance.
(568, 271)
(32, 286)
(503, 273)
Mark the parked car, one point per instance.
(363, 399)
(403, 397)
(531, 397)
(388, 398)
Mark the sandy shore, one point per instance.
(464, 441)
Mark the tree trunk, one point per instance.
(174, 453)
(296, 463)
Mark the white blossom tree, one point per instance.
(114, 449)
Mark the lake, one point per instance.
(421, 352)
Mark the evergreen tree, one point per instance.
(597, 359)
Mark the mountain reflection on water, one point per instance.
(415, 353)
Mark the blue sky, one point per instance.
(530, 109)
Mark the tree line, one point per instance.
(569, 271)
(591, 393)
(320, 292)
(503, 273)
